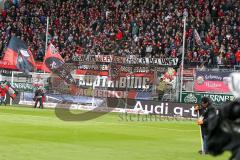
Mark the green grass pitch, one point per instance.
(34, 134)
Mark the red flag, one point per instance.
(52, 52)
(18, 54)
(45, 68)
(10, 57)
(55, 63)
(53, 59)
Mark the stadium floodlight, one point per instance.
(183, 54)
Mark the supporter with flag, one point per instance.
(18, 54)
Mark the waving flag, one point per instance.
(53, 59)
(197, 38)
(17, 54)
(55, 63)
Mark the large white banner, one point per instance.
(91, 59)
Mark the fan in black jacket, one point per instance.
(224, 130)
(203, 112)
(39, 94)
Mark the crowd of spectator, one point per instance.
(144, 28)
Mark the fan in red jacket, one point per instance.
(238, 56)
(2, 96)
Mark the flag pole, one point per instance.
(183, 55)
(46, 40)
(11, 85)
(202, 147)
(93, 91)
